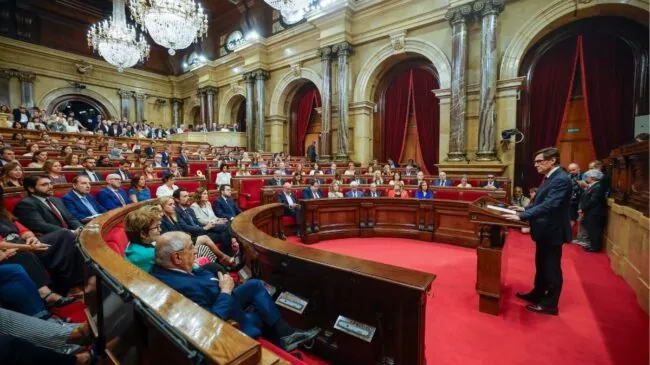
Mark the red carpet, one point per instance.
(599, 322)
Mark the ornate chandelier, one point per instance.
(117, 42)
(174, 24)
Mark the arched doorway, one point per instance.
(407, 120)
(84, 108)
(585, 83)
(305, 120)
(195, 115)
(236, 113)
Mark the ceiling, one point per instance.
(63, 24)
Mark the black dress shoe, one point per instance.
(530, 298)
(292, 341)
(542, 309)
(591, 249)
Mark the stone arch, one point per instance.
(542, 23)
(386, 56)
(56, 95)
(230, 103)
(288, 85)
(188, 109)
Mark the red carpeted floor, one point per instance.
(599, 322)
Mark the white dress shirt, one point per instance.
(164, 190)
(223, 178)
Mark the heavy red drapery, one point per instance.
(608, 90)
(309, 101)
(397, 102)
(427, 116)
(551, 86)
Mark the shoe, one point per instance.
(292, 341)
(530, 298)
(580, 243)
(538, 308)
(591, 249)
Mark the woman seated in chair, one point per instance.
(398, 192)
(397, 179)
(464, 183)
(71, 162)
(148, 171)
(423, 191)
(38, 160)
(335, 191)
(376, 178)
(11, 175)
(138, 191)
(53, 169)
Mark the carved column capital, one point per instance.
(176, 101)
(249, 77)
(210, 90)
(459, 14)
(200, 92)
(125, 94)
(261, 75)
(488, 7)
(325, 53)
(6, 73)
(140, 96)
(25, 76)
(342, 49)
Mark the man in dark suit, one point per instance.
(166, 155)
(442, 180)
(374, 193)
(312, 191)
(354, 191)
(79, 202)
(291, 206)
(158, 161)
(112, 196)
(21, 115)
(115, 130)
(174, 260)
(277, 179)
(491, 183)
(550, 227)
(225, 206)
(356, 178)
(217, 230)
(89, 165)
(6, 155)
(40, 211)
(311, 152)
(123, 170)
(150, 150)
(182, 160)
(593, 208)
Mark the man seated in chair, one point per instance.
(174, 267)
(225, 206)
(313, 190)
(490, 184)
(291, 206)
(374, 193)
(79, 202)
(354, 191)
(112, 196)
(442, 180)
(277, 179)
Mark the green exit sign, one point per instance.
(573, 130)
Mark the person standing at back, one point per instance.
(550, 226)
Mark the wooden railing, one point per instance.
(628, 166)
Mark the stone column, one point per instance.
(177, 111)
(458, 18)
(250, 132)
(140, 106)
(260, 77)
(5, 76)
(488, 11)
(125, 102)
(343, 51)
(27, 88)
(210, 93)
(202, 104)
(326, 101)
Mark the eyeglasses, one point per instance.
(537, 162)
(154, 228)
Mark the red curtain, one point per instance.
(397, 102)
(427, 116)
(608, 90)
(308, 102)
(552, 82)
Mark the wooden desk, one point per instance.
(390, 298)
(237, 139)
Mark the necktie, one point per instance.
(316, 195)
(56, 213)
(229, 207)
(120, 197)
(90, 207)
(442, 183)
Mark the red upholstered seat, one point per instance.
(447, 194)
(288, 221)
(280, 353)
(116, 239)
(250, 194)
(69, 175)
(11, 201)
(153, 187)
(212, 177)
(60, 193)
(470, 196)
(190, 186)
(193, 166)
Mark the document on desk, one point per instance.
(502, 210)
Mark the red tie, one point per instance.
(56, 213)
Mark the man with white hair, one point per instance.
(442, 180)
(593, 210)
(158, 161)
(354, 191)
(175, 267)
(112, 196)
(291, 205)
(277, 179)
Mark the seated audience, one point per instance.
(112, 196)
(158, 161)
(298, 178)
(80, 203)
(40, 211)
(491, 183)
(316, 170)
(392, 164)
(138, 190)
(53, 170)
(423, 191)
(277, 179)
(71, 161)
(32, 149)
(173, 169)
(223, 177)
(202, 207)
(65, 151)
(243, 170)
(142, 227)
(351, 170)
(532, 192)
(356, 178)
(398, 192)
(148, 171)
(38, 160)
(139, 162)
(354, 191)
(373, 192)
(123, 170)
(335, 190)
(442, 180)
(370, 170)
(104, 161)
(312, 191)
(168, 187)
(376, 178)
(225, 206)
(11, 175)
(593, 210)
(291, 206)
(397, 179)
(464, 183)
(419, 178)
(408, 170)
(282, 168)
(519, 199)
(174, 259)
(88, 164)
(332, 170)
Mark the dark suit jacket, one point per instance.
(369, 194)
(167, 225)
(550, 213)
(151, 152)
(182, 162)
(226, 208)
(496, 185)
(39, 218)
(311, 152)
(361, 181)
(272, 182)
(103, 128)
(115, 132)
(188, 222)
(165, 158)
(283, 199)
(79, 209)
(16, 113)
(307, 194)
(593, 201)
(107, 198)
(359, 194)
(99, 176)
(436, 182)
(125, 174)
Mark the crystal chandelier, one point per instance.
(117, 42)
(174, 24)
